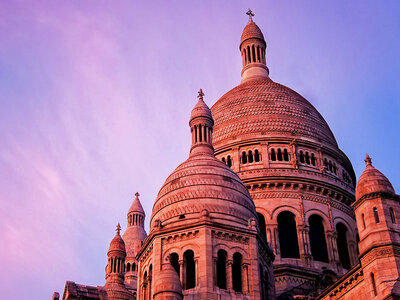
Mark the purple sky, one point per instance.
(95, 98)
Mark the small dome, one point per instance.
(201, 109)
(117, 243)
(372, 181)
(136, 206)
(251, 31)
(167, 281)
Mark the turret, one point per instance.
(115, 269)
(201, 126)
(167, 285)
(133, 238)
(253, 49)
(376, 209)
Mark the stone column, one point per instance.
(215, 262)
(196, 271)
(236, 159)
(229, 274)
(276, 239)
(245, 278)
(332, 238)
(181, 271)
(305, 244)
(265, 154)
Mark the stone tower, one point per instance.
(133, 238)
(302, 184)
(205, 221)
(115, 270)
(375, 207)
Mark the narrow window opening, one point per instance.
(392, 215)
(287, 230)
(195, 134)
(133, 267)
(253, 53)
(312, 159)
(307, 158)
(229, 161)
(248, 54)
(256, 156)
(190, 266)
(280, 158)
(342, 245)
(205, 133)
(301, 157)
(261, 224)
(258, 53)
(285, 155)
(223, 160)
(250, 156)
(181, 217)
(363, 221)
(128, 267)
(273, 155)
(376, 215)
(221, 269)
(245, 56)
(174, 259)
(373, 284)
(237, 272)
(244, 157)
(200, 134)
(319, 249)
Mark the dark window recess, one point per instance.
(237, 272)
(221, 269)
(289, 244)
(190, 268)
(319, 249)
(342, 245)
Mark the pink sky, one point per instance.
(95, 98)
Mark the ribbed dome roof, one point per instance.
(263, 108)
(136, 205)
(251, 31)
(167, 281)
(117, 243)
(201, 110)
(203, 183)
(372, 181)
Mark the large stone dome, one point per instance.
(263, 108)
(202, 186)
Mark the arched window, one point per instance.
(190, 270)
(253, 53)
(307, 158)
(195, 133)
(174, 259)
(258, 53)
(363, 221)
(312, 159)
(301, 157)
(237, 272)
(285, 155)
(289, 244)
(326, 163)
(244, 157)
(279, 154)
(251, 156)
(223, 160)
(248, 54)
(342, 245)
(261, 224)
(256, 156)
(221, 269)
(392, 215)
(229, 161)
(376, 215)
(128, 267)
(245, 56)
(373, 284)
(334, 168)
(319, 249)
(273, 154)
(133, 267)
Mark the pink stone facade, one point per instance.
(264, 207)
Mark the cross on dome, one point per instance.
(201, 94)
(250, 14)
(118, 230)
(368, 160)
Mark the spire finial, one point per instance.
(201, 94)
(250, 14)
(118, 229)
(137, 195)
(368, 160)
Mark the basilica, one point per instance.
(266, 206)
